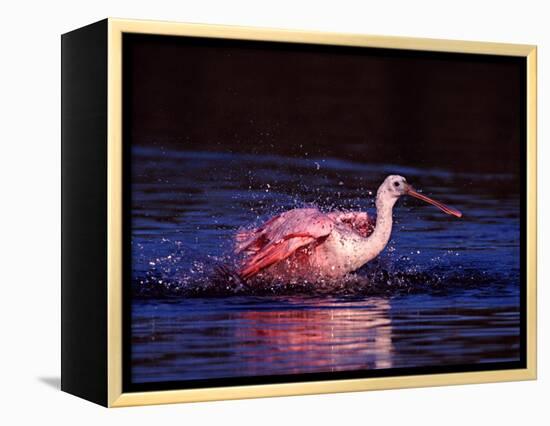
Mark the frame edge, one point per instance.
(114, 212)
(319, 37)
(83, 221)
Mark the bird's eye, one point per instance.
(396, 184)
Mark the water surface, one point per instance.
(444, 292)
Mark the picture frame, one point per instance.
(97, 184)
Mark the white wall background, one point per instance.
(30, 200)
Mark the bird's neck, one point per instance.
(384, 222)
(370, 247)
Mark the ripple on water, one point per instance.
(443, 292)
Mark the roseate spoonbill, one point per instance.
(309, 244)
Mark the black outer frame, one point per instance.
(84, 212)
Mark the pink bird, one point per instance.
(310, 245)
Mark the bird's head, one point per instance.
(394, 186)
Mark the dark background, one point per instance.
(452, 111)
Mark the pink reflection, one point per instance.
(315, 338)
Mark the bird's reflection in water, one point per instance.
(318, 337)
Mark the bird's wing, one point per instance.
(280, 237)
(360, 222)
(252, 240)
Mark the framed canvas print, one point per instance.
(254, 212)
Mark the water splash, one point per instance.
(180, 274)
(184, 219)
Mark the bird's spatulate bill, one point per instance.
(449, 210)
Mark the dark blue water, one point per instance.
(445, 291)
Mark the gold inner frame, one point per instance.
(116, 27)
